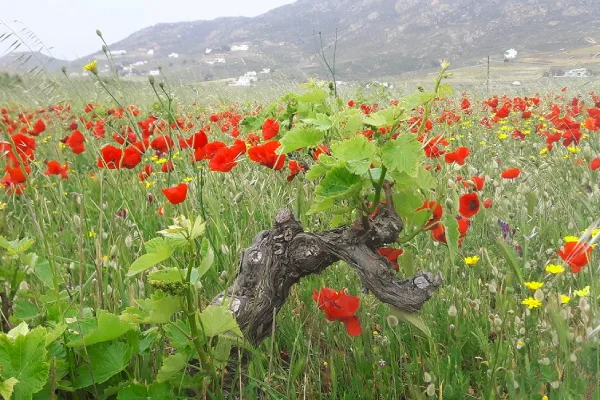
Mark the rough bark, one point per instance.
(281, 256)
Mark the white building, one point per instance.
(173, 55)
(118, 52)
(245, 80)
(150, 52)
(577, 73)
(207, 51)
(241, 47)
(154, 72)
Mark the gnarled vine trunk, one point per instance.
(281, 256)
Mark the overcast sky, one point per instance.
(68, 27)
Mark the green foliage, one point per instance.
(109, 327)
(23, 362)
(104, 360)
(300, 138)
(217, 320)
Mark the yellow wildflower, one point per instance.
(92, 67)
(2, 205)
(149, 184)
(564, 299)
(471, 261)
(187, 179)
(574, 149)
(161, 161)
(544, 151)
(555, 269)
(502, 136)
(91, 234)
(534, 285)
(583, 292)
(531, 303)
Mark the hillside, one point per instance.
(376, 38)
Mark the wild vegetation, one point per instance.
(435, 244)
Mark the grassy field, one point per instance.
(513, 318)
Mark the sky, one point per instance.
(68, 27)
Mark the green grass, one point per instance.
(484, 343)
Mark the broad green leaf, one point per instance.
(109, 327)
(339, 183)
(314, 96)
(105, 361)
(406, 202)
(167, 275)
(7, 387)
(377, 120)
(417, 99)
(251, 124)
(424, 179)
(358, 152)
(171, 366)
(299, 138)
(452, 233)
(352, 125)
(319, 206)
(158, 254)
(411, 318)
(19, 330)
(24, 358)
(55, 333)
(25, 310)
(41, 269)
(217, 320)
(208, 257)
(156, 310)
(445, 90)
(16, 247)
(321, 122)
(137, 391)
(403, 154)
(315, 172)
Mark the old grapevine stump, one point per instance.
(281, 256)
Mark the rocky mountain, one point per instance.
(375, 38)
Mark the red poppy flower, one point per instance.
(197, 140)
(511, 173)
(17, 174)
(146, 172)
(468, 205)
(131, 158)
(477, 182)
(436, 211)
(270, 129)
(322, 149)
(162, 144)
(339, 306)
(110, 157)
(208, 151)
(392, 255)
(167, 167)
(487, 203)
(595, 164)
(438, 232)
(265, 155)
(76, 142)
(88, 108)
(295, 168)
(176, 194)
(576, 254)
(55, 168)
(458, 156)
(39, 127)
(223, 160)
